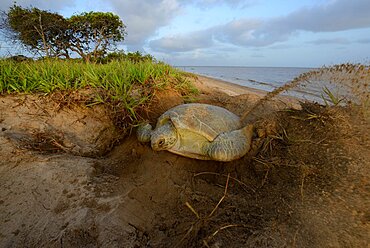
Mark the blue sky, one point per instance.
(305, 33)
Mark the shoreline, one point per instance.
(229, 88)
(211, 85)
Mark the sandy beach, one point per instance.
(208, 84)
(111, 137)
(251, 96)
(70, 179)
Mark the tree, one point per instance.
(94, 33)
(134, 57)
(90, 35)
(39, 30)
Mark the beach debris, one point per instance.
(199, 131)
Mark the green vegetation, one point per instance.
(329, 96)
(125, 82)
(134, 57)
(123, 85)
(90, 35)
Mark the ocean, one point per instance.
(262, 78)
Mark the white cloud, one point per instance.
(339, 15)
(341, 41)
(335, 16)
(239, 30)
(211, 3)
(183, 43)
(143, 18)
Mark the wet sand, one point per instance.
(231, 89)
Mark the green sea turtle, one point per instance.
(199, 131)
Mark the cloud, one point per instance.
(257, 55)
(364, 41)
(183, 43)
(205, 4)
(41, 4)
(281, 46)
(341, 41)
(336, 16)
(143, 18)
(339, 15)
(238, 30)
(53, 6)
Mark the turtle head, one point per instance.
(164, 137)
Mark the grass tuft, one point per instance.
(329, 96)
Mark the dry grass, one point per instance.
(340, 84)
(202, 222)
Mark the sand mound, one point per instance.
(305, 185)
(38, 123)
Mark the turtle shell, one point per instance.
(203, 119)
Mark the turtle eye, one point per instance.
(161, 142)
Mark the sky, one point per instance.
(292, 33)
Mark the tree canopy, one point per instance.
(90, 35)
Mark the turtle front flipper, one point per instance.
(231, 145)
(144, 132)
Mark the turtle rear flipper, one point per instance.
(231, 145)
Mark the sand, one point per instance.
(208, 84)
(68, 178)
